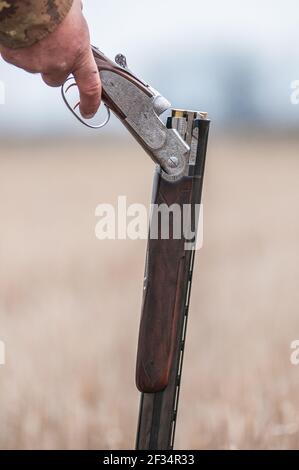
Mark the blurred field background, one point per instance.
(70, 304)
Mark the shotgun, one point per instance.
(178, 147)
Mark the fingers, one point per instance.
(88, 81)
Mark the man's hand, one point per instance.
(64, 51)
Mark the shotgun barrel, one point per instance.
(167, 289)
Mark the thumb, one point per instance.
(89, 84)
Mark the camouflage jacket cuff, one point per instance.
(24, 23)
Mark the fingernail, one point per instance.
(87, 116)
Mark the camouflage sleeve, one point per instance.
(24, 22)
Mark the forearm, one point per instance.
(23, 23)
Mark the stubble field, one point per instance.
(70, 304)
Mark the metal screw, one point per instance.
(173, 162)
(121, 60)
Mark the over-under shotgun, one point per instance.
(178, 147)
(167, 290)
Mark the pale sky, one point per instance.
(172, 34)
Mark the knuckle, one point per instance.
(57, 68)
